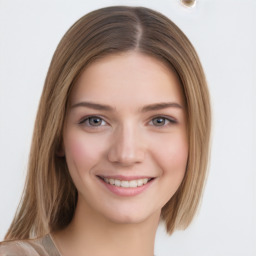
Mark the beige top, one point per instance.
(43, 246)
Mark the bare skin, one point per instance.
(126, 124)
(96, 236)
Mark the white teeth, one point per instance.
(140, 182)
(133, 184)
(117, 183)
(126, 183)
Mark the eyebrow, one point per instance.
(159, 106)
(151, 107)
(93, 106)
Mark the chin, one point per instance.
(132, 217)
(126, 219)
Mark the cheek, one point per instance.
(81, 150)
(172, 156)
(178, 154)
(173, 161)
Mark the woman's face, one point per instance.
(125, 139)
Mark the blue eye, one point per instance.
(94, 121)
(161, 121)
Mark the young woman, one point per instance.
(121, 139)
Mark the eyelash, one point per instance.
(87, 119)
(167, 120)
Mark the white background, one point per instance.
(224, 33)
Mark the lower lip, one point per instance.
(121, 191)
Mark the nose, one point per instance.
(127, 147)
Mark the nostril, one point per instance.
(127, 147)
(125, 156)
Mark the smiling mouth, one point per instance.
(125, 183)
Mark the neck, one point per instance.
(90, 233)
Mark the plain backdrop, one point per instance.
(224, 34)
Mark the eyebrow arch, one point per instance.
(93, 106)
(159, 106)
(151, 107)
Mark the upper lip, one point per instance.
(122, 177)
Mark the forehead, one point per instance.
(127, 78)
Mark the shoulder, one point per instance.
(33, 247)
(14, 248)
(17, 248)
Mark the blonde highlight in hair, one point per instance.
(49, 198)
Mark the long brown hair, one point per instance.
(49, 197)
